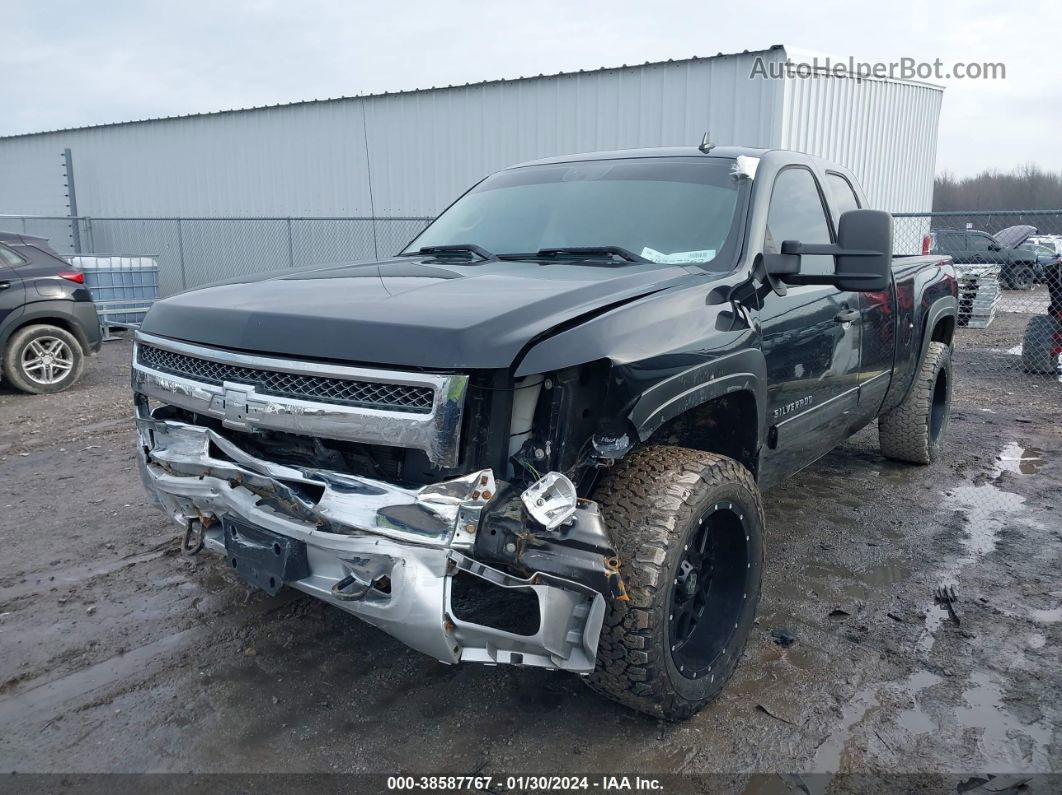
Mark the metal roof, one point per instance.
(409, 153)
(356, 97)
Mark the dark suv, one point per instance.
(1018, 267)
(48, 323)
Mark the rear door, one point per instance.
(12, 291)
(950, 243)
(810, 335)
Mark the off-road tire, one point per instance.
(16, 347)
(914, 431)
(651, 502)
(1038, 347)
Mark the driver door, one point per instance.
(810, 337)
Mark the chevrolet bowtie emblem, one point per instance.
(236, 404)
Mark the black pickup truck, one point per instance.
(539, 434)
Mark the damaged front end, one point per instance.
(453, 568)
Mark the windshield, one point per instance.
(664, 210)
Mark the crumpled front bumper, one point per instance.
(362, 531)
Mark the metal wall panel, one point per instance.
(421, 148)
(885, 131)
(297, 160)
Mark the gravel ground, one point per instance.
(118, 654)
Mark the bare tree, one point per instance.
(1028, 187)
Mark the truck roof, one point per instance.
(727, 152)
(657, 151)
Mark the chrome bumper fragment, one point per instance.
(360, 530)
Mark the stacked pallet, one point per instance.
(978, 294)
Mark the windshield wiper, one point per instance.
(592, 251)
(454, 249)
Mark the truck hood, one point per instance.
(1014, 236)
(408, 312)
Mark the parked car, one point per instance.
(539, 434)
(1046, 257)
(1053, 242)
(48, 323)
(1017, 267)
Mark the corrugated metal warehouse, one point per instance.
(412, 152)
(419, 149)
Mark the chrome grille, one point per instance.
(367, 394)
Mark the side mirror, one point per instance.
(862, 256)
(995, 247)
(865, 263)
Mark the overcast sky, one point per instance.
(69, 64)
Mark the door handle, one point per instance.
(4, 285)
(846, 316)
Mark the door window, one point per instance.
(949, 241)
(796, 213)
(9, 257)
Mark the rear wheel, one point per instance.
(43, 359)
(1039, 348)
(688, 527)
(914, 431)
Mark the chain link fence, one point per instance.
(1009, 266)
(195, 251)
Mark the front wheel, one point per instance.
(1021, 278)
(689, 528)
(914, 431)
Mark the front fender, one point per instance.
(669, 352)
(670, 321)
(741, 371)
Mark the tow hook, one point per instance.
(349, 589)
(194, 536)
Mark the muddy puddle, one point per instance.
(843, 584)
(1021, 460)
(1004, 741)
(986, 508)
(925, 704)
(865, 704)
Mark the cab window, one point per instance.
(841, 193)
